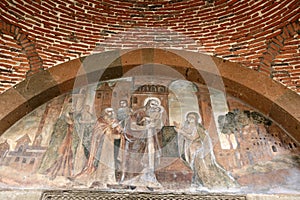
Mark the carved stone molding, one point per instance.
(103, 195)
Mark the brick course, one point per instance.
(261, 35)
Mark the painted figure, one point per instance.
(100, 166)
(121, 148)
(123, 113)
(146, 123)
(59, 158)
(85, 127)
(197, 151)
(190, 138)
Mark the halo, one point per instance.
(199, 116)
(152, 98)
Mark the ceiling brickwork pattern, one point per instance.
(261, 35)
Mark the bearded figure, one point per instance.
(100, 167)
(196, 149)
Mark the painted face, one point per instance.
(123, 103)
(109, 111)
(153, 103)
(191, 118)
(157, 109)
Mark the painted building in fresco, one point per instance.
(129, 134)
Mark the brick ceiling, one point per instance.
(260, 34)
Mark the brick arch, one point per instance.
(274, 45)
(28, 46)
(258, 90)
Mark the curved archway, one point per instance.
(257, 90)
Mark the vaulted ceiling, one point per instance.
(262, 35)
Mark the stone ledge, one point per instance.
(26, 194)
(104, 195)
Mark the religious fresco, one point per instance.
(131, 134)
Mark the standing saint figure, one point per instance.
(123, 113)
(196, 149)
(85, 126)
(190, 138)
(100, 166)
(59, 157)
(145, 125)
(123, 116)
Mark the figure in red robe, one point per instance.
(100, 166)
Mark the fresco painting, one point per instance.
(125, 134)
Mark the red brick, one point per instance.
(286, 33)
(20, 37)
(265, 70)
(296, 26)
(274, 34)
(274, 46)
(290, 16)
(220, 2)
(291, 29)
(277, 42)
(245, 25)
(273, 52)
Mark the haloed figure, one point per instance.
(197, 150)
(147, 122)
(190, 137)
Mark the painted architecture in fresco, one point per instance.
(131, 133)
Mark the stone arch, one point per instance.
(257, 90)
